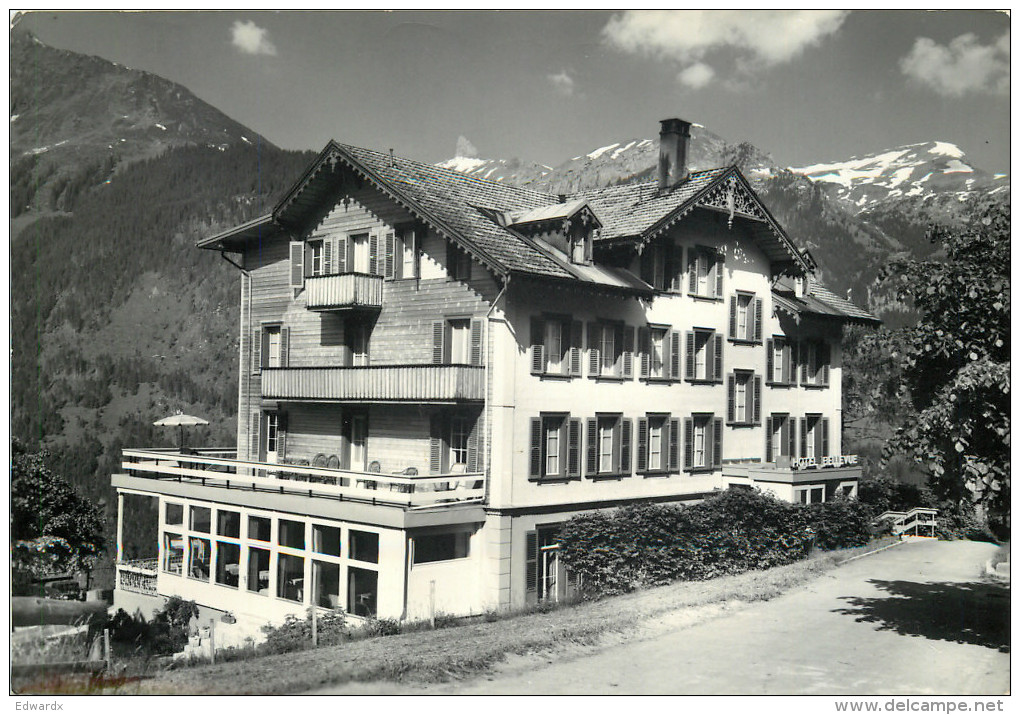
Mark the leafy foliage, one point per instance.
(955, 362)
(53, 528)
(165, 634)
(736, 531)
(296, 633)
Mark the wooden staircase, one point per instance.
(919, 521)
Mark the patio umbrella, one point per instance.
(180, 420)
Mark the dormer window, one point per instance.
(580, 247)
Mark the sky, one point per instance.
(544, 86)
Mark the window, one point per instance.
(259, 528)
(258, 570)
(814, 363)
(270, 347)
(198, 566)
(228, 523)
(458, 263)
(657, 444)
(546, 576)
(273, 342)
(317, 258)
(173, 553)
(702, 442)
(354, 450)
(292, 534)
(813, 494)
(272, 436)
(555, 346)
(780, 368)
(555, 447)
(201, 518)
(745, 318)
(779, 437)
(457, 341)
(326, 577)
(362, 586)
(454, 440)
(326, 540)
(228, 561)
(660, 353)
(704, 355)
(290, 577)
(364, 546)
(610, 350)
(662, 266)
(359, 254)
(173, 514)
(407, 249)
(356, 342)
(743, 405)
(441, 547)
(608, 448)
(814, 437)
(705, 269)
(580, 247)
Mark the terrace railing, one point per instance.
(344, 291)
(138, 576)
(384, 383)
(212, 468)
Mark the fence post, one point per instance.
(106, 649)
(212, 640)
(432, 603)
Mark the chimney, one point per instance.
(674, 141)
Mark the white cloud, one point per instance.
(562, 82)
(696, 76)
(770, 37)
(964, 65)
(251, 39)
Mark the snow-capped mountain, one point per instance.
(918, 170)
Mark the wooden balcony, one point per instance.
(344, 291)
(382, 383)
(211, 468)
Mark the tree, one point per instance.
(955, 361)
(53, 528)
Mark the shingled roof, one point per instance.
(822, 302)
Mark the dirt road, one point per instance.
(915, 619)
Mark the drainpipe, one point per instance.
(251, 347)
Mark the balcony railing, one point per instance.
(345, 291)
(138, 576)
(384, 383)
(212, 468)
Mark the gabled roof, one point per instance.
(552, 212)
(822, 302)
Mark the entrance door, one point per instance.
(272, 436)
(547, 577)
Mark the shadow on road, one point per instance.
(975, 613)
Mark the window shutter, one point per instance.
(690, 355)
(688, 442)
(648, 266)
(256, 351)
(341, 254)
(628, 352)
(768, 439)
(281, 436)
(537, 346)
(674, 354)
(731, 400)
(803, 436)
(535, 452)
(803, 363)
(255, 448)
(531, 566)
(373, 253)
(474, 453)
(717, 357)
(476, 341)
(390, 254)
(438, 333)
(787, 360)
(592, 446)
(710, 358)
(284, 347)
(718, 267)
(717, 442)
(436, 444)
(297, 264)
(645, 349)
(327, 257)
(352, 266)
(733, 318)
(626, 426)
(574, 448)
(824, 437)
(757, 320)
(594, 359)
(692, 271)
(789, 437)
(642, 445)
(769, 360)
(576, 340)
(757, 400)
(824, 357)
(674, 445)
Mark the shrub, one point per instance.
(840, 524)
(166, 633)
(960, 522)
(296, 633)
(380, 627)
